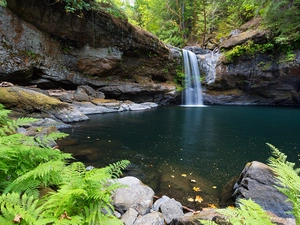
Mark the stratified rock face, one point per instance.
(263, 79)
(42, 44)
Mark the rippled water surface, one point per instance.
(176, 149)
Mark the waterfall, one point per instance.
(208, 63)
(192, 95)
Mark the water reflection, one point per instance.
(207, 144)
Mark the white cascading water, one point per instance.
(192, 95)
(208, 63)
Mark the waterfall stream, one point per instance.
(192, 95)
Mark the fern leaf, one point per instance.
(248, 213)
(24, 121)
(207, 222)
(26, 206)
(45, 140)
(288, 179)
(46, 173)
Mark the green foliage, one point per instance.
(288, 179)
(282, 17)
(248, 48)
(88, 190)
(28, 164)
(3, 3)
(12, 204)
(179, 80)
(288, 182)
(248, 212)
(76, 5)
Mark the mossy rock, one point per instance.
(22, 99)
(29, 101)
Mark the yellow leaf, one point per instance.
(196, 189)
(190, 199)
(212, 206)
(198, 199)
(172, 176)
(183, 175)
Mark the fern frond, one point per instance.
(45, 140)
(44, 174)
(23, 121)
(115, 169)
(207, 222)
(12, 204)
(248, 212)
(288, 179)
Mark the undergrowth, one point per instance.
(29, 166)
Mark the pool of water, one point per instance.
(186, 152)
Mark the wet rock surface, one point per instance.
(58, 106)
(258, 183)
(135, 204)
(43, 45)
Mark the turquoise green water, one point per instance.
(207, 144)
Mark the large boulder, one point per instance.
(134, 195)
(257, 182)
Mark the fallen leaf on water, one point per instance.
(198, 199)
(190, 199)
(212, 206)
(196, 189)
(183, 175)
(193, 181)
(172, 176)
(214, 187)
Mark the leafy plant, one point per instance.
(28, 165)
(20, 153)
(179, 80)
(248, 48)
(3, 3)
(288, 179)
(250, 213)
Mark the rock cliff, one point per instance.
(259, 79)
(43, 45)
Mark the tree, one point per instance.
(282, 17)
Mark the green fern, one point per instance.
(12, 204)
(28, 163)
(44, 175)
(88, 190)
(248, 212)
(288, 179)
(208, 222)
